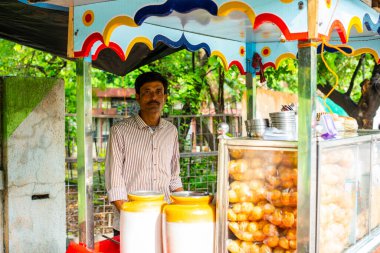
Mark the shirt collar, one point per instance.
(141, 123)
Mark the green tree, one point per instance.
(358, 85)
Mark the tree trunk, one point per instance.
(365, 110)
(370, 100)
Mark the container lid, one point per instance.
(145, 195)
(190, 194)
(191, 197)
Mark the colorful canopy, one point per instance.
(232, 30)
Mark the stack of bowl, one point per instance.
(285, 121)
(256, 127)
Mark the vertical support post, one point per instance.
(251, 96)
(307, 201)
(84, 143)
(251, 86)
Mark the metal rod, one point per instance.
(84, 144)
(251, 96)
(109, 238)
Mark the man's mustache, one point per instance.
(154, 102)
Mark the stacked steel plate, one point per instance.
(285, 120)
(256, 127)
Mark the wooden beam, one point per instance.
(70, 33)
(312, 16)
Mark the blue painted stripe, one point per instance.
(46, 6)
(333, 50)
(371, 26)
(181, 42)
(181, 6)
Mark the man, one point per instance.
(142, 152)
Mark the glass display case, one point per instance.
(375, 184)
(258, 209)
(344, 167)
(257, 196)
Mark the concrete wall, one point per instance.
(33, 161)
(269, 101)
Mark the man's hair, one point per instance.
(150, 77)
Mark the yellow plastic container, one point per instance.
(189, 223)
(141, 223)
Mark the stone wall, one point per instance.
(33, 162)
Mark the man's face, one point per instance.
(151, 98)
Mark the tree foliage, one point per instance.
(284, 78)
(357, 88)
(196, 79)
(358, 84)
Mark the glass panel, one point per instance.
(337, 186)
(262, 213)
(375, 195)
(363, 175)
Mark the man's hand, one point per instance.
(118, 204)
(178, 190)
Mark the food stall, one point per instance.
(251, 35)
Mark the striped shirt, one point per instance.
(139, 158)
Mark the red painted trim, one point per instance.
(118, 50)
(90, 41)
(265, 66)
(100, 48)
(115, 47)
(269, 64)
(338, 26)
(87, 45)
(239, 66)
(269, 17)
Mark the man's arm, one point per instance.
(114, 180)
(175, 181)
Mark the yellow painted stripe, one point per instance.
(113, 24)
(228, 7)
(144, 40)
(354, 22)
(189, 213)
(367, 51)
(283, 57)
(221, 56)
(138, 203)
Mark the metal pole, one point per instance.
(249, 77)
(251, 96)
(307, 83)
(84, 144)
